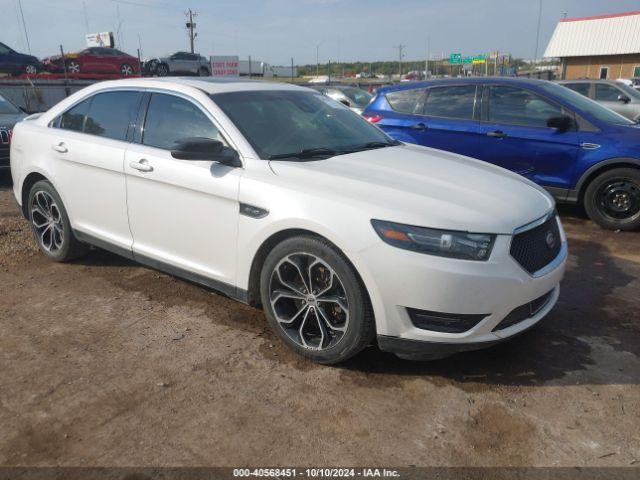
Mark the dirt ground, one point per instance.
(106, 363)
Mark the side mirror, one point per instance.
(623, 98)
(200, 148)
(345, 102)
(562, 123)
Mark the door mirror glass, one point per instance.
(199, 148)
(561, 122)
(623, 98)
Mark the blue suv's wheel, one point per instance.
(612, 199)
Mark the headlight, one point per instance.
(443, 243)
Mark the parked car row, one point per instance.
(580, 151)
(103, 60)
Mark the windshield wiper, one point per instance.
(372, 145)
(306, 153)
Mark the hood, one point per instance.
(8, 120)
(423, 187)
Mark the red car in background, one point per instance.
(95, 60)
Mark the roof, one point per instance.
(463, 81)
(209, 85)
(615, 34)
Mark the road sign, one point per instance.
(479, 60)
(455, 58)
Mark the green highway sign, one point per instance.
(455, 58)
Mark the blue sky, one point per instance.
(276, 30)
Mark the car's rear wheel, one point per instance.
(50, 224)
(203, 72)
(30, 69)
(126, 69)
(162, 70)
(612, 199)
(73, 66)
(314, 300)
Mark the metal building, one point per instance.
(604, 46)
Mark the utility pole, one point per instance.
(400, 57)
(318, 59)
(291, 69)
(191, 27)
(426, 60)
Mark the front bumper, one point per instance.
(397, 279)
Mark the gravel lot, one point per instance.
(106, 363)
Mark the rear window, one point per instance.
(405, 101)
(581, 88)
(111, 113)
(451, 102)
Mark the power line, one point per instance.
(24, 25)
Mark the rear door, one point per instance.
(450, 119)
(402, 118)
(515, 135)
(88, 144)
(182, 213)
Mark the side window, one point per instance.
(73, 119)
(581, 88)
(111, 113)
(516, 106)
(405, 101)
(451, 102)
(171, 118)
(606, 93)
(4, 50)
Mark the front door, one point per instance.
(514, 135)
(183, 214)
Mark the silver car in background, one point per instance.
(355, 98)
(617, 96)
(179, 63)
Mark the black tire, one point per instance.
(67, 246)
(162, 70)
(352, 312)
(203, 72)
(612, 199)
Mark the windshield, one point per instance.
(6, 107)
(586, 105)
(298, 124)
(359, 97)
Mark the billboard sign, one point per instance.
(103, 39)
(225, 66)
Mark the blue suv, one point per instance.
(580, 151)
(16, 63)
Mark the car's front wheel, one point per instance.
(30, 69)
(612, 199)
(203, 72)
(50, 224)
(314, 300)
(162, 70)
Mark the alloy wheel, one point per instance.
(73, 67)
(619, 199)
(126, 70)
(46, 219)
(31, 70)
(309, 301)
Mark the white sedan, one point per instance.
(278, 196)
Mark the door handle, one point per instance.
(419, 126)
(141, 166)
(60, 147)
(496, 134)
